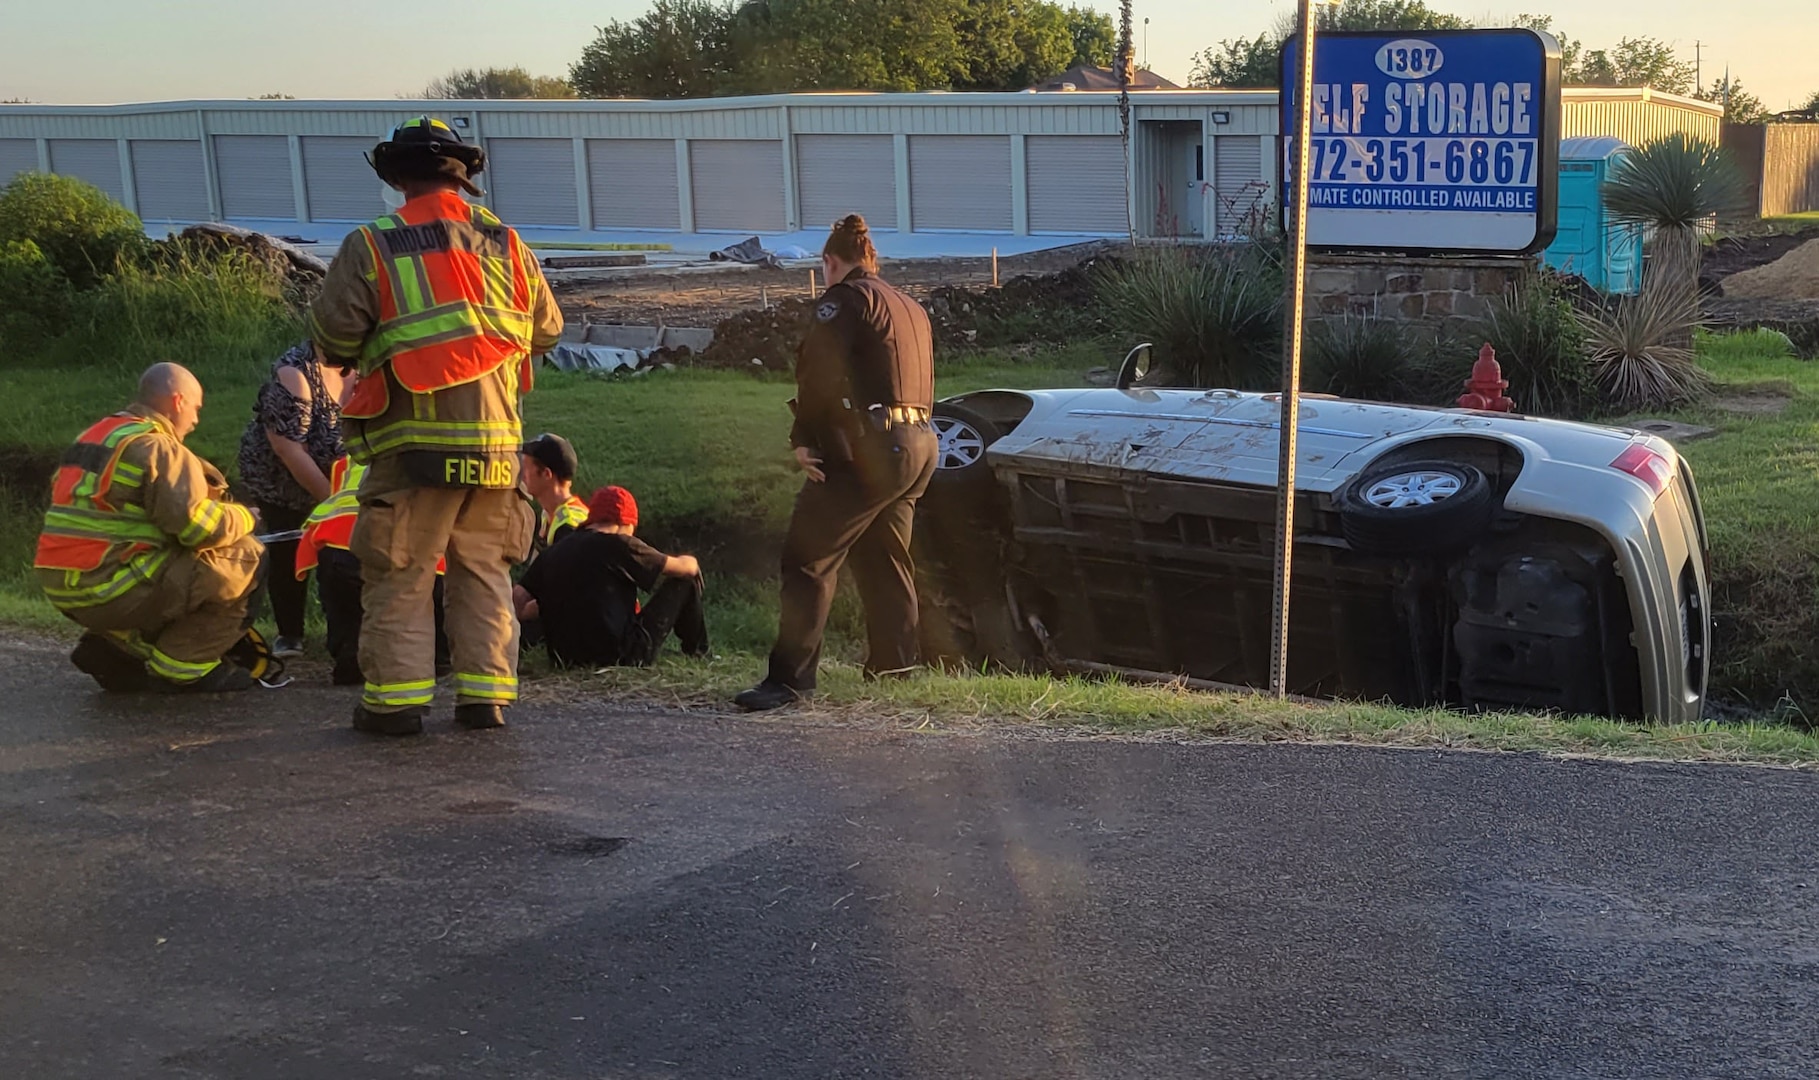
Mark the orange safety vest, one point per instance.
(83, 528)
(331, 523)
(448, 314)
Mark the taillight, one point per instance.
(1647, 466)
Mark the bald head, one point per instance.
(174, 392)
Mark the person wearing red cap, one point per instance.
(585, 590)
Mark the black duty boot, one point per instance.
(116, 670)
(347, 672)
(768, 695)
(403, 722)
(478, 716)
(224, 678)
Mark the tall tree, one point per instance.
(1095, 39)
(1643, 61)
(1812, 103)
(1254, 63)
(485, 84)
(1569, 47)
(677, 49)
(1236, 62)
(1740, 106)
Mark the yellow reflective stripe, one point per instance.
(497, 273)
(405, 693)
(483, 436)
(141, 570)
(170, 669)
(487, 687)
(408, 277)
(203, 521)
(339, 346)
(126, 526)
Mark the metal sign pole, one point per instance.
(1291, 361)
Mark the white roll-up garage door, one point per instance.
(532, 181)
(632, 184)
(254, 173)
(94, 160)
(337, 181)
(738, 184)
(17, 156)
(1238, 187)
(1076, 183)
(170, 179)
(960, 182)
(839, 175)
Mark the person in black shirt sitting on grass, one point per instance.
(585, 588)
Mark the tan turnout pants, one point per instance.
(401, 532)
(195, 611)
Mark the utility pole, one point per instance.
(1698, 74)
(1146, 43)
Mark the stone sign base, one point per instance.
(1436, 291)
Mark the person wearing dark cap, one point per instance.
(550, 464)
(865, 382)
(585, 589)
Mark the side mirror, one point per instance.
(1136, 366)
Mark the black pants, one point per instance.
(288, 594)
(338, 588)
(865, 508)
(676, 607)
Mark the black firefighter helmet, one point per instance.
(424, 148)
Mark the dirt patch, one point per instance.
(1794, 276)
(1755, 399)
(1735, 254)
(703, 296)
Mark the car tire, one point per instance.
(1416, 508)
(961, 474)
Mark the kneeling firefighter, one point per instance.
(441, 307)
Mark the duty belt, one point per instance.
(885, 417)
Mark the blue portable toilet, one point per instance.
(1586, 242)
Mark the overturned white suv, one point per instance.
(1442, 557)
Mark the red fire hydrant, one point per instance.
(1484, 390)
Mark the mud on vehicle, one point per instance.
(1442, 557)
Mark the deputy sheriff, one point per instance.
(142, 547)
(865, 381)
(441, 307)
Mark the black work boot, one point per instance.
(116, 670)
(408, 721)
(224, 678)
(769, 695)
(479, 715)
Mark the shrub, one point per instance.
(1213, 315)
(1673, 186)
(83, 233)
(1640, 347)
(34, 297)
(1359, 357)
(1541, 344)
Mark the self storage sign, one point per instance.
(1437, 142)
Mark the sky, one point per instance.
(91, 51)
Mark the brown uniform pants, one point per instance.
(194, 612)
(401, 532)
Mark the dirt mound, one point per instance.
(1735, 254)
(299, 273)
(765, 338)
(1794, 276)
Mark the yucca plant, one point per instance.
(1214, 316)
(1640, 347)
(1541, 345)
(1673, 186)
(1358, 357)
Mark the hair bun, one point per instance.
(853, 223)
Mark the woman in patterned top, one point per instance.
(289, 446)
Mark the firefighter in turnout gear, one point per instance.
(141, 546)
(865, 382)
(441, 307)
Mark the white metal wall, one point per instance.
(337, 181)
(1239, 192)
(254, 175)
(737, 184)
(960, 182)
(632, 184)
(170, 178)
(532, 181)
(17, 156)
(94, 160)
(1076, 183)
(847, 174)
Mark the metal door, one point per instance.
(632, 184)
(169, 179)
(837, 175)
(738, 184)
(337, 182)
(1076, 183)
(254, 174)
(1239, 192)
(532, 181)
(94, 160)
(960, 183)
(17, 156)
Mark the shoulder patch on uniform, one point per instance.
(826, 310)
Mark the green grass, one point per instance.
(1809, 217)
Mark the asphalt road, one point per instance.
(245, 888)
